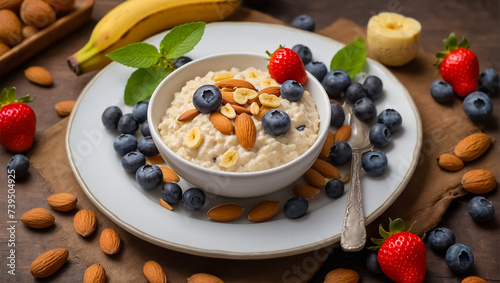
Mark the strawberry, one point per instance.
(285, 64)
(459, 66)
(17, 121)
(401, 255)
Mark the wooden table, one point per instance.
(475, 19)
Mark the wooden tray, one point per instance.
(40, 40)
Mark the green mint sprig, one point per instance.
(154, 65)
(350, 58)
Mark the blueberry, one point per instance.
(171, 193)
(128, 124)
(477, 106)
(304, 53)
(140, 111)
(110, 117)
(440, 239)
(193, 199)
(442, 91)
(391, 119)
(301, 128)
(276, 122)
(334, 188)
(125, 143)
(374, 163)
(365, 109)
(304, 22)
(181, 61)
(340, 153)
(149, 176)
(147, 147)
(133, 161)
(459, 258)
(317, 69)
(335, 82)
(291, 90)
(296, 207)
(481, 209)
(207, 98)
(145, 129)
(372, 264)
(18, 166)
(379, 136)
(373, 86)
(338, 116)
(489, 82)
(355, 92)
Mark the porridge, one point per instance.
(253, 144)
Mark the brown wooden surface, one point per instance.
(475, 19)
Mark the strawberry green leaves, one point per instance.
(351, 58)
(8, 96)
(450, 44)
(395, 226)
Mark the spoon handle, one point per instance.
(353, 236)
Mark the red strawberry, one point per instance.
(459, 66)
(17, 121)
(285, 64)
(401, 255)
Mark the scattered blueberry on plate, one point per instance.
(149, 176)
(459, 258)
(334, 188)
(481, 209)
(20, 164)
(132, 161)
(179, 62)
(145, 129)
(338, 115)
(125, 143)
(317, 69)
(304, 22)
(296, 207)
(147, 147)
(373, 86)
(304, 53)
(140, 111)
(391, 119)
(379, 135)
(336, 82)
(489, 82)
(440, 239)
(171, 193)
(193, 199)
(364, 109)
(477, 106)
(110, 117)
(442, 92)
(355, 92)
(374, 163)
(207, 98)
(128, 124)
(291, 90)
(340, 153)
(276, 122)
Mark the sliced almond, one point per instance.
(254, 108)
(38, 75)
(109, 241)
(306, 191)
(314, 178)
(235, 83)
(64, 108)
(165, 204)
(188, 115)
(245, 131)
(228, 97)
(225, 212)
(240, 109)
(85, 222)
(169, 176)
(327, 146)
(343, 133)
(326, 169)
(221, 123)
(263, 211)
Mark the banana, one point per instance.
(134, 20)
(269, 100)
(193, 137)
(242, 95)
(228, 111)
(393, 39)
(229, 158)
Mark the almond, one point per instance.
(109, 241)
(221, 123)
(38, 218)
(263, 110)
(347, 178)
(326, 169)
(473, 279)
(37, 13)
(450, 162)
(188, 115)
(263, 211)
(254, 108)
(48, 263)
(158, 159)
(479, 181)
(472, 146)
(10, 28)
(240, 109)
(343, 134)
(235, 83)
(228, 97)
(95, 274)
(327, 146)
(64, 108)
(169, 176)
(314, 178)
(306, 191)
(38, 75)
(245, 131)
(225, 212)
(165, 204)
(154, 273)
(62, 201)
(85, 222)
(341, 275)
(204, 278)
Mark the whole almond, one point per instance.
(327, 146)
(158, 159)
(204, 278)
(62, 201)
(95, 274)
(85, 222)
(450, 162)
(165, 204)
(38, 75)
(10, 28)
(109, 241)
(245, 131)
(37, 13)
(169, 176)
(347, 178)
(228, 97)
(472, 146)
(235, 83)
(64, 108)
(479, 181)
(241, 109)
(225, 212)
(342, 275)
(154, 273)
(188, 115)
(314, 178)
(221, 123)
(326, 169)
(262, 110)
(263, 211)
(48, 263)
(306, 191)
(38, 218)
(343, 133)
(473, 279)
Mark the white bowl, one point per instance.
(233, 184)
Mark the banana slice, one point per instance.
(268, 82)
(223, 76)
(254, 108)
(269, 100)
(393, 39)
(252, 75)
(193, 138)
(242, 95)
(229, 159)
(228, 111)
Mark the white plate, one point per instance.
(98, 170)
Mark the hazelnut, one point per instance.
(37, 13)
(10, 28)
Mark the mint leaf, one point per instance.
(136, 55)
(350, 58)
(142, 83)
(181, 39)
